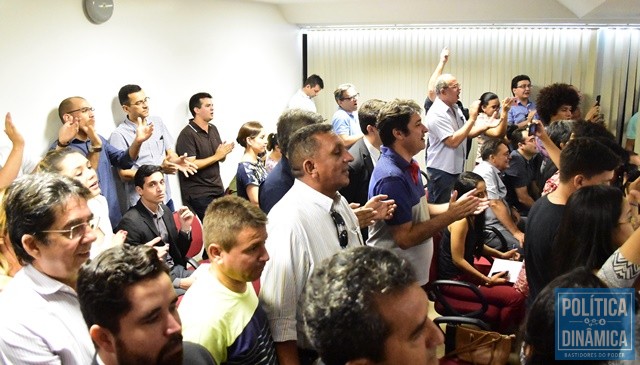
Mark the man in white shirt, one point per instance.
(302, 98)
(308, 225)
(51, 230)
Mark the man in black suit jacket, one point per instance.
(150, 218)
(365, 152)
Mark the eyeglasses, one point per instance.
(82, 110)
(528, 86)
(144, 101)
(352, 98)
(455, 86)
(78, 230)
(341, 228)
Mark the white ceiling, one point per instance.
(481, 12)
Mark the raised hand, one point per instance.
(12, 132)
(185, 218)
(144, 130)
(68, 131)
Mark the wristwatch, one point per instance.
(95, 149)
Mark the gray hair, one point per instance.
(304, 145)
(442, 82)
(341, 317)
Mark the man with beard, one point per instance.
(130, 307)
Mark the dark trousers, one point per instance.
(199, 204)
(440, 185)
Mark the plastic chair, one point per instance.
(194, 254)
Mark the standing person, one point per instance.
(130, 308)
(366, 153)
(251, 171)
(557, 102)
(51, 230)
(308, 225)
(275, 154)
(157, 151)
(281, 179)
(409, 232)
(345, 119)
(78, 132)
(381, 320)
(221, 309)
(302, 99)
(448, 132)
(523, 111)
(583, 162)
(201, 139)
(494, 122)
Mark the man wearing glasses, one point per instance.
(51, 230)
(308, 225)
(159, 150)
(524, 110)
(78, 132)
(448, 132)
(345, 119)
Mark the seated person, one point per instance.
(382, 320)
(150, 218)
(129, 305)
(521, 175)
(559, 132)
(463, 240)
(221, 310)
(495, 159)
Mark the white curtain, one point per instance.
(389, 63)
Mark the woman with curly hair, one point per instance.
(557, 102)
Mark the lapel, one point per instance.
(147, 218)
(366, 156)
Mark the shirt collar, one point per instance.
(396, 158)
(317, 197)
(45, 284)
(374, 152)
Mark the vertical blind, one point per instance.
(389, 63)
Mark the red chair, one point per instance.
(447, 303)
(194, 254)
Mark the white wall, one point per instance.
(245, 54)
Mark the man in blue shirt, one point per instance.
(524, 110)
(78, 132)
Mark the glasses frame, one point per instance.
(144, 101)
(82, 110)
(341, 228)
(351, 98)
(92, 223)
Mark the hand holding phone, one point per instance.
(533, 127)
(598, 100)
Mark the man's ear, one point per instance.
(29, 242)
(66, 118)
(103, 338)
(138, 190)
(308, 167)
(397, 133)
(578, 181)
(214, 251)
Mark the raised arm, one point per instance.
(431, 85)
(11, 168)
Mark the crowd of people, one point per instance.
(323, 248)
